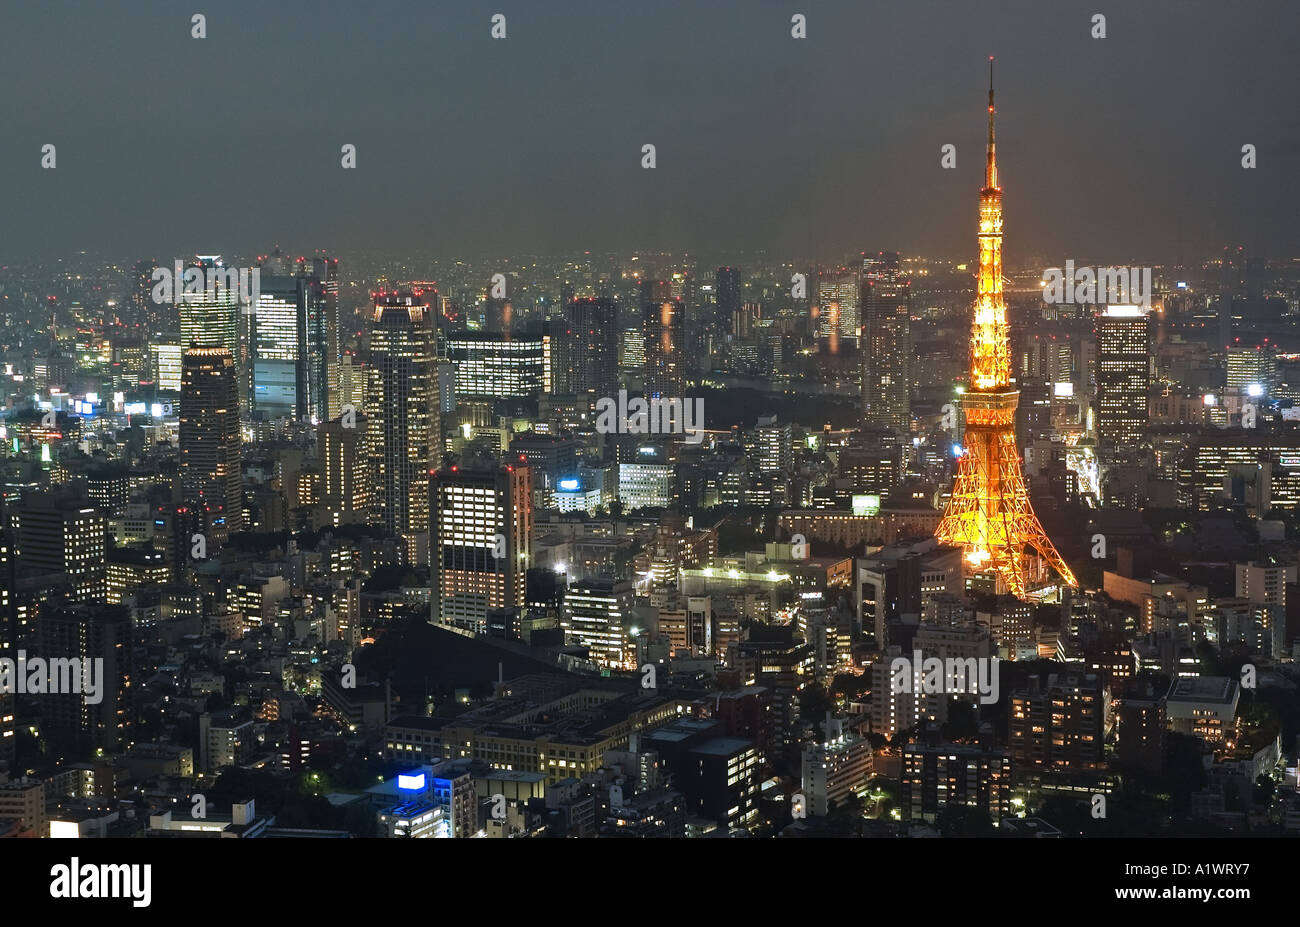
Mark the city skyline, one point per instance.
(347, 492)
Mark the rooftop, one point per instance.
(1203, 689)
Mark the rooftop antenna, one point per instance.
(991, 169)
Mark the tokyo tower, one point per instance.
(988, 514)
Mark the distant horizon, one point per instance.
(744, 261)
(763, 141)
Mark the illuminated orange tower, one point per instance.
(989, 515)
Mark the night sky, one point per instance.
(1117, 150)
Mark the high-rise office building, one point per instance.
(405, 422)
(886, 344)
(1252, 370)
(727, 293)
(782, 662)
(79, 723)
(151, 314)
(289, 347)
(587, 361)
(744, 320)
(631, 355)
(108, 486)
(1123, 374)
(561, 350)
(326, 270)
(279, 384)
(212, 315)
(345, 491)
(771, 445)
(491, 365)
(1256, 466)
(165, 365)
(482, 531)
(211, 483)
(130, 362)
(57, 533)
(135, 567)
(352, 376)
(839, 299)
(647, 480)
(663, 319)
(596, 611)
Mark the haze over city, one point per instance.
(1125, 148)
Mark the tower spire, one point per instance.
(991, 169)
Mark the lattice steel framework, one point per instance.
(989, 515)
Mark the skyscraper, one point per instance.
(345, 490)
(290, 346)
(839, 297)
(1252, 370)
(886, 344)
(279, 374)
(663, 319)
(56, 532)
(588, 359)
(482, 529)
(76, 724)
(211, 483)
(326, 270)
(165, 365)
(405, 430)
(1123, 375)
(727, 294)
(988, 514)
(147, 312)
(211, 316)
(492, 365)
